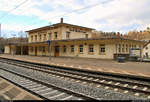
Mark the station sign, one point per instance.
(48, 42)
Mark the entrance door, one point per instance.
(56, 51)
(36, 51)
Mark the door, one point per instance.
(36, 51)
(56, 51)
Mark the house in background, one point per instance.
(68, 40)
(146, 50)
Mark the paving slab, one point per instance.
(14, 92)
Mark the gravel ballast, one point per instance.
(98, 93)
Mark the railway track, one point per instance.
(41, 89)
(137, 87)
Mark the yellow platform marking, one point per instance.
(125, 72)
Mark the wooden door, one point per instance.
(56, 51)
(35, 51)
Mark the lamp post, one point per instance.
(49, 42)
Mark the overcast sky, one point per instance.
(104, 15)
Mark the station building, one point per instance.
(68, 40)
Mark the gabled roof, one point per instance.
(57, 25)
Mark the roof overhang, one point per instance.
(91, 39)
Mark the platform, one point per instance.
(133, 68)
(9, 91)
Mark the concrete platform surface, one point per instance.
(133, 68)
(9, 91)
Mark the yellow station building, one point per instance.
(68, 40)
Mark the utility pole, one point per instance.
(49, 41)
(0, 30)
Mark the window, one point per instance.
(56, 35)
(50, 36)
(35, 37)
(43, 48)
(119, 48)
(72, 48)
(86, 35)
(67, 34)
(129, 47)
(40, 48)
(123, 48)
(134, 46)
(44, 37)
(31, 49)
(126, 48)
(102, 48)
(91, 48)
(146, 55)
(40, 36)
(64, 48)
(81, 49)
(71, 29)
(31, 38)
(76, 30)
(146, 48)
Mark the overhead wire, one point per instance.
(3, 16)
(76, 10)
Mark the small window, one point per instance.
(56, 35)
(91, 48)
(44, 37)
(123, 48)
(35, 37)
(81, 49)
(86, 36)
(129, 47)
(67, 35)
(119, 48)
(31, 38)
(71, 29)
(134, 46)
(102, 48)
(76, 29)
(72, 48)
(40, 48)
(31, 49)
(40, 36)
(64, 48)
(126, 48)
(50, 36)
(43, 48)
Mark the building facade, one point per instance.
(69, 40)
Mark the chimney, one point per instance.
(118, 34)
(61, 20)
